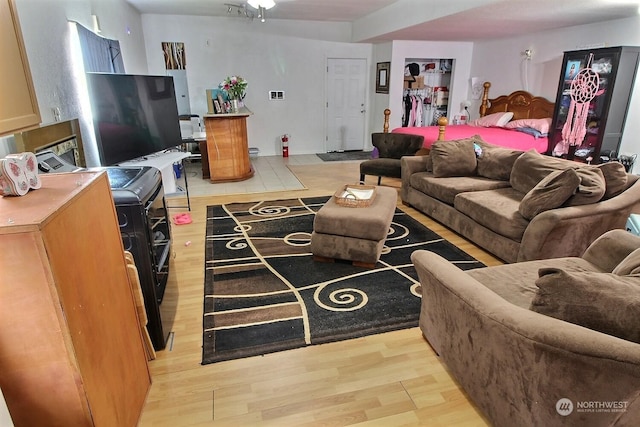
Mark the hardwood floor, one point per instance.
(390, 379)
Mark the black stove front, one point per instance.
(144, 224)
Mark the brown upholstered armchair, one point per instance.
(391, 146)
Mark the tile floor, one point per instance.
(271, 174)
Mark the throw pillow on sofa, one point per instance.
(550, 193)
(453, 158)
(591, 188)
(531, 167)
(604, 302)
(615, 177)
(495, 162)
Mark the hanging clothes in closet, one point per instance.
(417, 105)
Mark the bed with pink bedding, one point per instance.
(509, 138)
(519, 120)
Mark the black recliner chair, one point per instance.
(391, 147)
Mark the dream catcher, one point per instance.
(584, 87)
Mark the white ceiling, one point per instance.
(476, 19)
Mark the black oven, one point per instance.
(138, 196)
(146, 233)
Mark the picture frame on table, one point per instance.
(217, 107)
(382, 77)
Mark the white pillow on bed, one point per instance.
(541, 125)
(495, 119)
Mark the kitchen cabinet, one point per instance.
(616, 68)
(72, 352)
(18, 103)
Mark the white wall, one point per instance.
(460, 52)
(276, 55)
(382, 52)
(501, 62)
(45, 29)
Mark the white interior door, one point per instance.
(346, 83)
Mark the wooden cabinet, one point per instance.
(18, 103)
(607, 110)
(71, 350)
(227, 146)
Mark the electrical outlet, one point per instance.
(276, 95)
(56, 114)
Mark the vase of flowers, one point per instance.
(235, 87)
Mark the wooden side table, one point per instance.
(227, 146)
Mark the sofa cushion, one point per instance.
(629, 265)
(615, 177)
(496, 210)
(604, 302)
(591, 188)
(531, 167)
(446, 189)
(550, 193)
(495, 162)
(453, 158)
(500, 278)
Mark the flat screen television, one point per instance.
(133, 115)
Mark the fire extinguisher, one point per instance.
(285, 145)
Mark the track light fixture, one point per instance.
(260, 6)
(241, 10)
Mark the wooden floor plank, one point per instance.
(387, 379)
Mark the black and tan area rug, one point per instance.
(264, 293)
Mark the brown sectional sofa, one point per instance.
(519, 206)
(519, 352)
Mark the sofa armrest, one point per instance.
(514, 363)
(608, 250)
(568, 231)
(433, 270)
(410, 165)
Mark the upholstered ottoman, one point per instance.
(354, 234)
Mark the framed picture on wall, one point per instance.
(382, 77)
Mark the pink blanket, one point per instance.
(493, 135)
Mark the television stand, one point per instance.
(164, 161)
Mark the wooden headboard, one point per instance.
(521, 103)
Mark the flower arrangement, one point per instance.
(235, 87)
